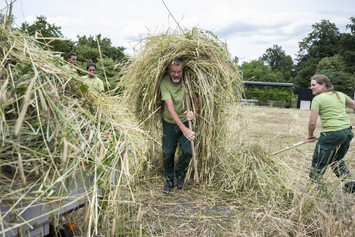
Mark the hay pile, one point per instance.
(227, 162)
(209, 72)
(55, 136)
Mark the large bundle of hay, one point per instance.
(57, 137)
(209, 72)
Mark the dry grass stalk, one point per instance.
(54, 137)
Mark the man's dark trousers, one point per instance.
(171, 136)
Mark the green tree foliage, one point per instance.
(256, 70)
(86, 49)
(304, 74)
(334, 68)
(85, 53)
(342, 81)
(112, 70)
(334, 63)
(323, 41)
(265, 93)
(351, 26)
(347, 47)
(279, 62)
(43, 28)
(108, 68)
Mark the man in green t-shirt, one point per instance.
(175, 125)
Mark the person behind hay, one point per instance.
(91, 78)
(336, 134)
(71, 61)
(175, 125)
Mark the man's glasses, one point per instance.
(173, 73)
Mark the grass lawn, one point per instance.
(207, 210)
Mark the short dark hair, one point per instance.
(90, 64)
(70, 55)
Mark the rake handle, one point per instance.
(292, 146)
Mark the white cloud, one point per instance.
(63, 21)
(223, 11)
(133, 30)
(30, 19)
(250, 27)
(192, 21)
(108, 22)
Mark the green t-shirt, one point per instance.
(69, 68)
(177, 94)
(332, 111)
(96, 82)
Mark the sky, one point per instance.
(249, 27)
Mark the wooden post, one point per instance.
(192, 143)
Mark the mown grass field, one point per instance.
(205, 210)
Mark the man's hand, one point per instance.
(189, 115)
(312, 138)
(189, 134)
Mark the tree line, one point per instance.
(325, 50)
(85, 47)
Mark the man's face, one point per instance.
(72, 60)
(175, 72)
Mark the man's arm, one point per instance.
(312, 124)
(189, 134)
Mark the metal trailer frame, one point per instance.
(38, 214)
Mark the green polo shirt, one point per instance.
(177, 94)
(332, 111)
(95, 82)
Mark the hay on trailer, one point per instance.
(209, 72)
(57, 137)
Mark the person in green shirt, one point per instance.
(336, 134)
(175, 125)
(71, 61)
(91, 79)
